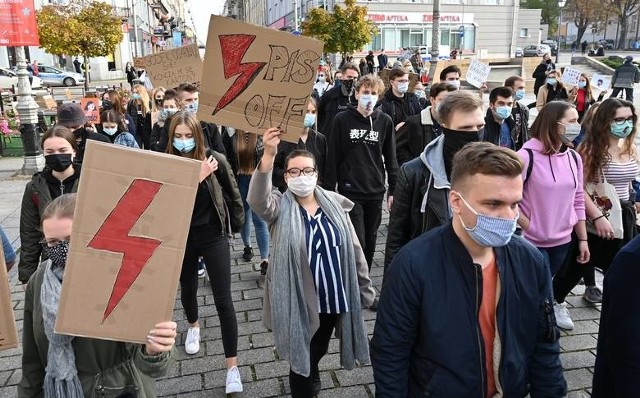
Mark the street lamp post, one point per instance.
(561, 4)
(28, 111)
(435, 41)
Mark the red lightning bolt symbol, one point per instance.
(234, 47)
(113, 236)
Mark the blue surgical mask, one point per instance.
(192, 107)
(185, 145)
(490, 231)
(621, 130)
(420, 94)
(402, 87)
(111, 131)
(309, 120)
(167, 113)
(519, 94)
(552, 81)
(571, 131)
(582, 84)
(503, 112)
(136, 96)
(367, 102)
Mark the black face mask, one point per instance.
(58, 253)
(58, 161)
(454, 140)
(159, 102)
(106, 105)
(548, 61)
(347, 84)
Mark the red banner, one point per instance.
(18, 25)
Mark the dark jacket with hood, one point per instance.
(625, 76)
(355, 155)
(38, 193)
(540, 74)
(420, 199)
(332, 102)
(428, 342)
(316, 144)
(492, 130)
(418, 131)
(399, 108)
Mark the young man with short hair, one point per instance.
(338, 98)
(420, 195)
(500, 127)
(361, 149)
(451, 75)
(397, 101)
(520, 113)
(466, 309)
(421, 129)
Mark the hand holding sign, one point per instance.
(478, 73)
(240, 90)
(571, 76)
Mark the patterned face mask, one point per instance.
(58, 253)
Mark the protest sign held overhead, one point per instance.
(600, 82)
(257, 77)
(91, 109)
(478, 73)
(125, 250)
(8, 333)
(570, 76)
(172, 67)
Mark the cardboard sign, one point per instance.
(170, 68)
(570, 76)
(91, 108)
(138, 62)
(601, 82)
(126, 256)
(478, 73)
(8, 332)
(46, 102)
(257, 77)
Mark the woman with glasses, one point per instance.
(59, 176)
(609, 154)
(318, 278)
(62, 366)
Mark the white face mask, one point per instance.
(302, 186)
(366, 102)
(231, 131)
(454, 83)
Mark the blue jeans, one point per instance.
(260, 225)
(556, 256)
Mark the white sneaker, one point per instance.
(192, 343)
(563, 319)
(234, 384)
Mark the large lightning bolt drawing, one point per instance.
(113, 236)
(233, 48)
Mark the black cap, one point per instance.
(71, 115)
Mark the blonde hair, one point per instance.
(155, 92)
(61, 207)
(144, 97)
(370, 81)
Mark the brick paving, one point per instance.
(263, 374)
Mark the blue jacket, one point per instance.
(427, 339)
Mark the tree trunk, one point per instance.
(581, 30)
(622, 37)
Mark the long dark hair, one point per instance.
(111, 116)
(594, 149)
(545, 127)
(246, 148)
(188, 119)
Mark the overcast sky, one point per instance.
(201, 11)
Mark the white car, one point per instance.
(9, 78)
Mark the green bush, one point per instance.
(615, 61)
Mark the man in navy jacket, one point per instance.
(466, 309)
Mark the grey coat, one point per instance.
(265, 202)
(625, 76)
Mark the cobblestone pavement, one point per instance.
(263, 374)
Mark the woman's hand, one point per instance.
(584, 255)
(271, 139)
(161, 338)
(603, 228)
(208, 166)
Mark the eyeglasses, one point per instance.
(295, 172)
(621, 120)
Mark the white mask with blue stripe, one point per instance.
(490, 231)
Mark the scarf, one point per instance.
(454, 141)
(61, 376)
(290, 318)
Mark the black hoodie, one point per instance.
(399, 108)
(57, 187)
(355, 155)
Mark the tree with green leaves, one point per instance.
(87, 28)
(586, 13)
(344, 31)
(624, 10)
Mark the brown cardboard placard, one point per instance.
(46, 102)
(257, 77)
(8, 332)
(170, 68)
(126, 254)
(138, 62)
(91, 109)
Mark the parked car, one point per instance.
(518, 53)
(607, 44)
(536, 50)
(56, 77)
(552, 44)
(9, 78)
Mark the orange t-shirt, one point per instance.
(487, 318)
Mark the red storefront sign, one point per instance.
(18, 25)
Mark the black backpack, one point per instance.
(530, 166)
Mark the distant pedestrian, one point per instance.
(34, 66)
(131, 73)
(574, 47)
(624, 77)
(584, 47)
(371, 66)
(76, 65)
(540, 73)
(383, 60)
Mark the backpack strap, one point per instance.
(529, 166)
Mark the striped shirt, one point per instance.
(323, 249)
(620, 176)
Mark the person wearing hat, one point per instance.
(72, 116)
(624, 77)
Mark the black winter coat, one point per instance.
(331, 103)
(427, 340)
(399, 108)
(417, 132)
(492, 129)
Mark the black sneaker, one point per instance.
(263, 267)
(247, 254)
(317, 384)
